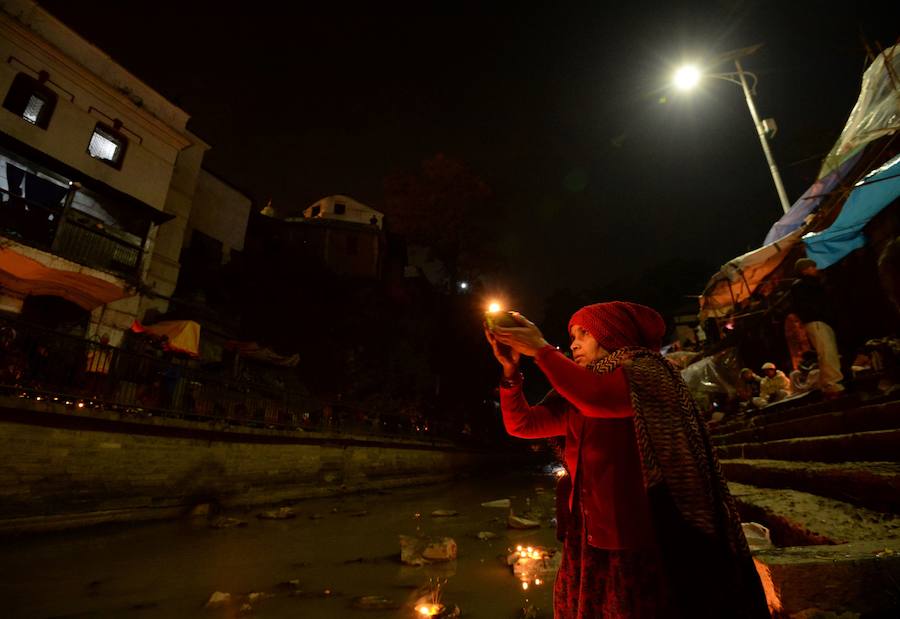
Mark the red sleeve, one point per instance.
(594, 395)
(524, 421)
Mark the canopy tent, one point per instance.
(809, 202)
(252, 350)
(872, 194)
(181, 335)
(739, 278)
(876, 113)
(27, 277)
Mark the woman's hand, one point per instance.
(506, 356)
(526, 339)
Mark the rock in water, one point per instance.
(282, 513)
(486, 535)
(501, 503)
(517, 522)
(420, 550)
(444, 513)
(218, 600)
(443, 549)
(411, 550)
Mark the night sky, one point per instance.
(564, 111)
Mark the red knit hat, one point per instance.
(619, 323)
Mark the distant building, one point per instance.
(343, 208)
(338, 232)
(97, 178)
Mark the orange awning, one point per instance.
(28, 277)
(181, 335)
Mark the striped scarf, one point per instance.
(674, 445)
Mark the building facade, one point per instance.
(341, 234)
(97, 179)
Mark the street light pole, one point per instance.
(760, 131)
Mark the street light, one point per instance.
(687, 77)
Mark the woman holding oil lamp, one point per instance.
(653, 530)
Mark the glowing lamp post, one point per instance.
(689, 76)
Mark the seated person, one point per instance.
(806, 376)
(773, 387)
(747, 388)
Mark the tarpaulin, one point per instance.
(714, 374)
(809, 201)
(26, 276)
(737, 279)
(876, 113)
(252, 350)
(872, 194)
(181, 335)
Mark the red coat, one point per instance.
(601, 453)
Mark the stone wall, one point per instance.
(62, 469)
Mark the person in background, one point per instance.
(653, 530)
(774, 386)
(806, 376)
(747, 388)
(810, 303)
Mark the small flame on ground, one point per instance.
(428, 610)
(524, 586)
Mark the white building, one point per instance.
(97, 177)
(344, 208)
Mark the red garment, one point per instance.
(601, 447)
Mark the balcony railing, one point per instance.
(68, 235)
(37, 363)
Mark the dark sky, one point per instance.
(557, 108)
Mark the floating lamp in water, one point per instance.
(532, 565)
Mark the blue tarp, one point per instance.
(871, 195)
(809, 201)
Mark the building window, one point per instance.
(31, 100)
(315, 210)
(340, 208)
(352, 245)
(107, 145)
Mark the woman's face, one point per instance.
(585, 348)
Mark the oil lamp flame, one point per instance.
(428, 610)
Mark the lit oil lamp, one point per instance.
(430, 605)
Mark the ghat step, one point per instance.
(859, 577)
(885, 416)
(875, 446)
(873, 485)
(828, 554)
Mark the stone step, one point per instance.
(789, 412)
(873, 485)
(858, 578)
(876, 446)
(798, 518)
(828, 554)
(884, 416)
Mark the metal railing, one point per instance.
(41, 364)
(55, 231)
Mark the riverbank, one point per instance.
(65, 468)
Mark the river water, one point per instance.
(336, 550)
